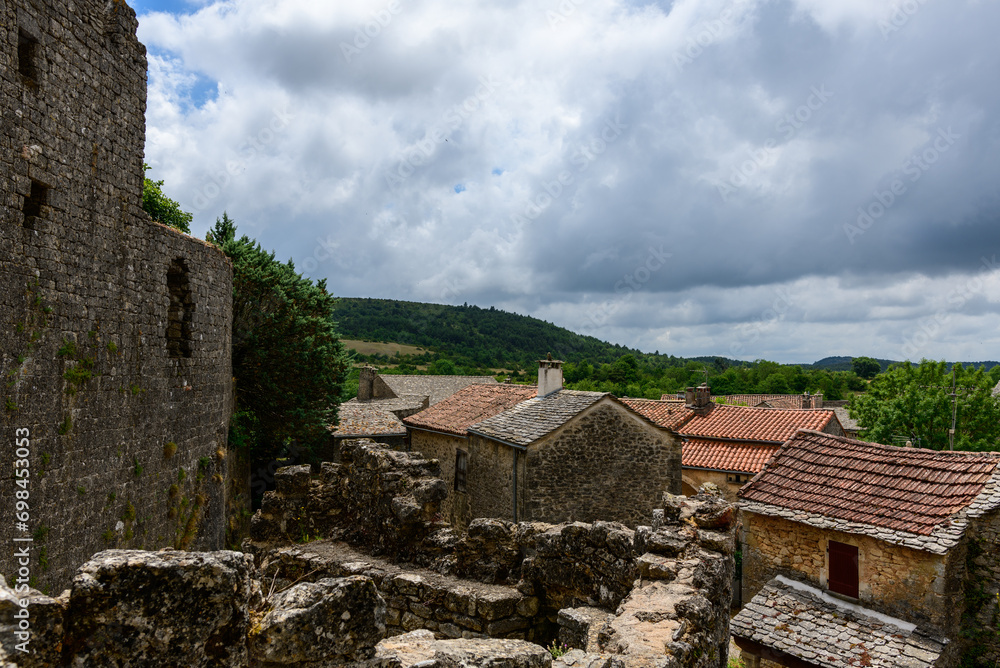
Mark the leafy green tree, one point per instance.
(865, 367)
(288, 361)
(161, 208)
(913, 402)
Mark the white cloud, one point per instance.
(581, 139)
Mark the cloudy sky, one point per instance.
(784, 179)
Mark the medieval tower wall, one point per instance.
(116, 385)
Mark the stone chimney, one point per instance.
(550, 377)
(818, 400)
(366, 383)
(699, 399)
(806, 400)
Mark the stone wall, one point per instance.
(695, 478)
(442, 447)
(490, 478)
(114, 352)
(979, 563)
(906, 583)
(607, 464)
(667, 586)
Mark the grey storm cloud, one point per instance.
(666, 175)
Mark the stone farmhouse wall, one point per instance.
(490, 478)
(114, 352)
(899, 581)
(605, 464)
(977, 563)
(455, 508)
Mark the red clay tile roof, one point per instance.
(739, 423)
(468, 406)
(669, 414)
(902, 489)
(724, 456)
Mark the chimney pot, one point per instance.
(550, 376)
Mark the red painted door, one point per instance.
(843, 569)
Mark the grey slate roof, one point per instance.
(530, 420)
(845, 419)
(802, 621)
(435, 387)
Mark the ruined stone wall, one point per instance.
(695, 478)
(666, 587)
(114, 352)
(491, 471)
(454, 508)
(606, 464)
(978, 565)
(906, 583)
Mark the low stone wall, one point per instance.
(415, 598)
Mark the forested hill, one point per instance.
(486, 337)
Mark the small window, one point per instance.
(461, 469)
(33, 203)
(27, 57)
(180, 311)
(843, 569)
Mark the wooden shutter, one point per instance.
(843, 569)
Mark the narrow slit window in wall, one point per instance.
(27, 57)
(33, 203)
(180, 311)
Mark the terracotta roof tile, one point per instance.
(468, 406)
(754, 424)
(901, 489)
(725, 456)
(666, 413)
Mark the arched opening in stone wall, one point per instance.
(180, 311)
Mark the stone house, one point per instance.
(383, 402)
(567, 455)
(863, 554)
(442, 432)
(728, 445)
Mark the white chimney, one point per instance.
(549, 377)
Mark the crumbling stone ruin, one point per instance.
(114, 330)
(658, 595)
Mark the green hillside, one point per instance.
(471, 335)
